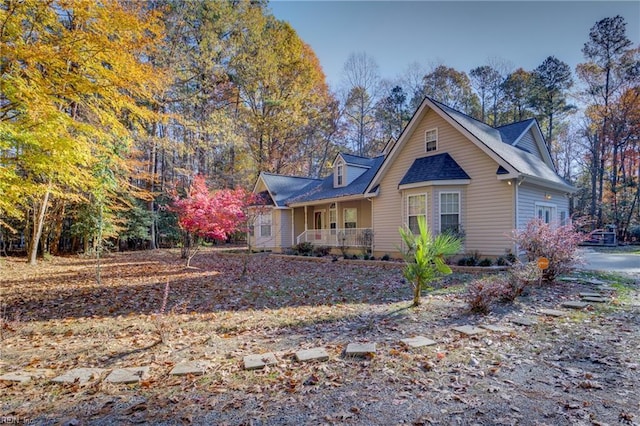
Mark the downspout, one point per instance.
(517, 212)
(373, 232)
(306, 226)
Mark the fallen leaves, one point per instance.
(63, 320)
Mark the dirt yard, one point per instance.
(579, 369)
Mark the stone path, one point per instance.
(132, 375)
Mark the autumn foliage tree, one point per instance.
(210, 214)
(77, 88)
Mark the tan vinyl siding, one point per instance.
(298, 225)
(487, 204)
(264, 243)
(285, 228)
(528, 143)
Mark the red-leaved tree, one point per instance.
(210, 214)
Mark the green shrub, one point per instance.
(385, 257)
(322, 251)
(485, 262)
(303, 249)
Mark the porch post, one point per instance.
(338, 227)
(293, 227)
(306, 227)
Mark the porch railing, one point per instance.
(348, 237)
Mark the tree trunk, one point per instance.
(58, 222)
(417, 289)
(39, 212)
(151, 186)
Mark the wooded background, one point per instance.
(107, 109)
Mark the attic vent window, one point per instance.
(431, 140)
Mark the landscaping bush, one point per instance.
(556, 243)
(386, 257)
(322, 251)
(520, 276)
(482, 293)
(303, 249)
(485, 262)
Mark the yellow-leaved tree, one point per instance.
(78, 85)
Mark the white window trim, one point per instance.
(553, 207)
(440, 207)
(333, 210)
(435, 129)
(340, 174)
(426, 207)
(344, 216)
(261, 223)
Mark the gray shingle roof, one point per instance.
(523, 162)
(321, 190)
(356, 160)
(284, 187)
(511, 132)
(435, 167)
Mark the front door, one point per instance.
(318, 223)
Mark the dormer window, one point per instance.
(431, 140)
(340, 175)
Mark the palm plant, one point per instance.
(425, 256)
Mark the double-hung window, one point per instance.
(431, 140)
(449, 212)
(350, 218)
(416, 207)
(339, 174)
(264, 221)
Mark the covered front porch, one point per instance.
(342, 224)
(351, 237)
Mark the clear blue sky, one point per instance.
(459, 34)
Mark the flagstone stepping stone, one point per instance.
(468, 330)
(590, 295)
(313, 354)
(524, 321)
(568, 279)
(574, 304)
(360, 349)
(553, 312)
(594, 281)
(418, 342)
(496, 328)
(595, 299)
(25, 375)
(79, 375)
(128, 375)
(195, 368)
(258, 361)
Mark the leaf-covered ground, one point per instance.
(580, 369)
